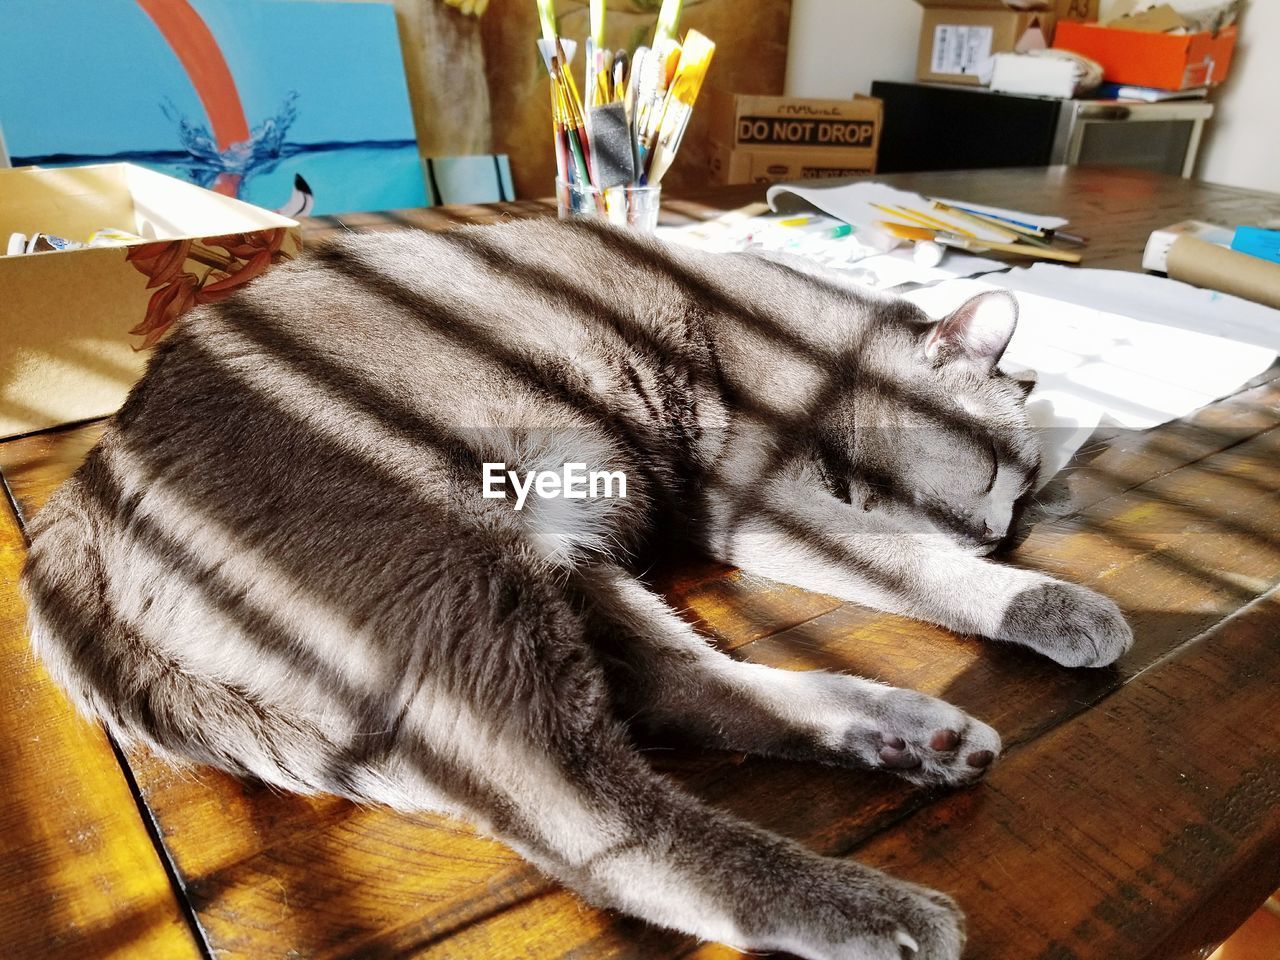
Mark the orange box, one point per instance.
(1165, 61)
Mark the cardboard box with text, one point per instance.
(748, 165)
(774, 123)
(958, 38)
(767, 139)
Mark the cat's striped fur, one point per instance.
(278, 560)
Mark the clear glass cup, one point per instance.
(627, 206)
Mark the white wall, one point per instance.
(1242, 146)
(838, 47)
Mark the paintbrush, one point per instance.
(574, 139)
(547, 17)
(558, 132)
(1002, 233)
(660, 69)
(620, 64)
(590, 77)
(576, 119)
(695, 59)
(1026, 231)
(668, 21)
(597, 23)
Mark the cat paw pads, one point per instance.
(929, 741)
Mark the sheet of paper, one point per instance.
(826, 242)
(1157, 299)
(1100, 367)
(888, 270)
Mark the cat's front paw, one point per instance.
(909, 922)
(1068, 623)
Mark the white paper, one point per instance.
(888, 270)
(849, 256)
(960, 48)
(1147, 297)
(1098, 367)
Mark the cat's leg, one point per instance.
(797, 535)
(594, 815)
(536, 755)
(666, 675)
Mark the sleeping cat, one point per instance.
(280, 560)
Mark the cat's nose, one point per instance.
(991, 537)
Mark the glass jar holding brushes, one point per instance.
(614, 146)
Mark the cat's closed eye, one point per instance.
(995, 466)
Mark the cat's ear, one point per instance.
(977, 332)
(1024, 381)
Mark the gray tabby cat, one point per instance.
(279, 560)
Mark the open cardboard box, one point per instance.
(1139, 57)
(958, 38)
(76, 325)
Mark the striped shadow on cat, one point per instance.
(279, 560)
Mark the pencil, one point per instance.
(921, 219)
(1001, 233)
(976, 245)
(1008, 223)
(936, 223)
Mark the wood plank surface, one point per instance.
(79, 875)
(1124, 876)
(1138, 792)
(1116, 208)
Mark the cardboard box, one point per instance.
(75, 325)
(1146, 59)
(959, 37)
(749, 165)
(777, 123)
(767, 139)
(1082, 10)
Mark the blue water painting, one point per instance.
(240, 96)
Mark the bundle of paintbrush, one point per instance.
(614, 146)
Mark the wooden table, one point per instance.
(1136, 813)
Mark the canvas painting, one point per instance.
(292, 105)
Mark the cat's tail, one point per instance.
(112, 672)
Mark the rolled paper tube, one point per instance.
(1205, 264)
